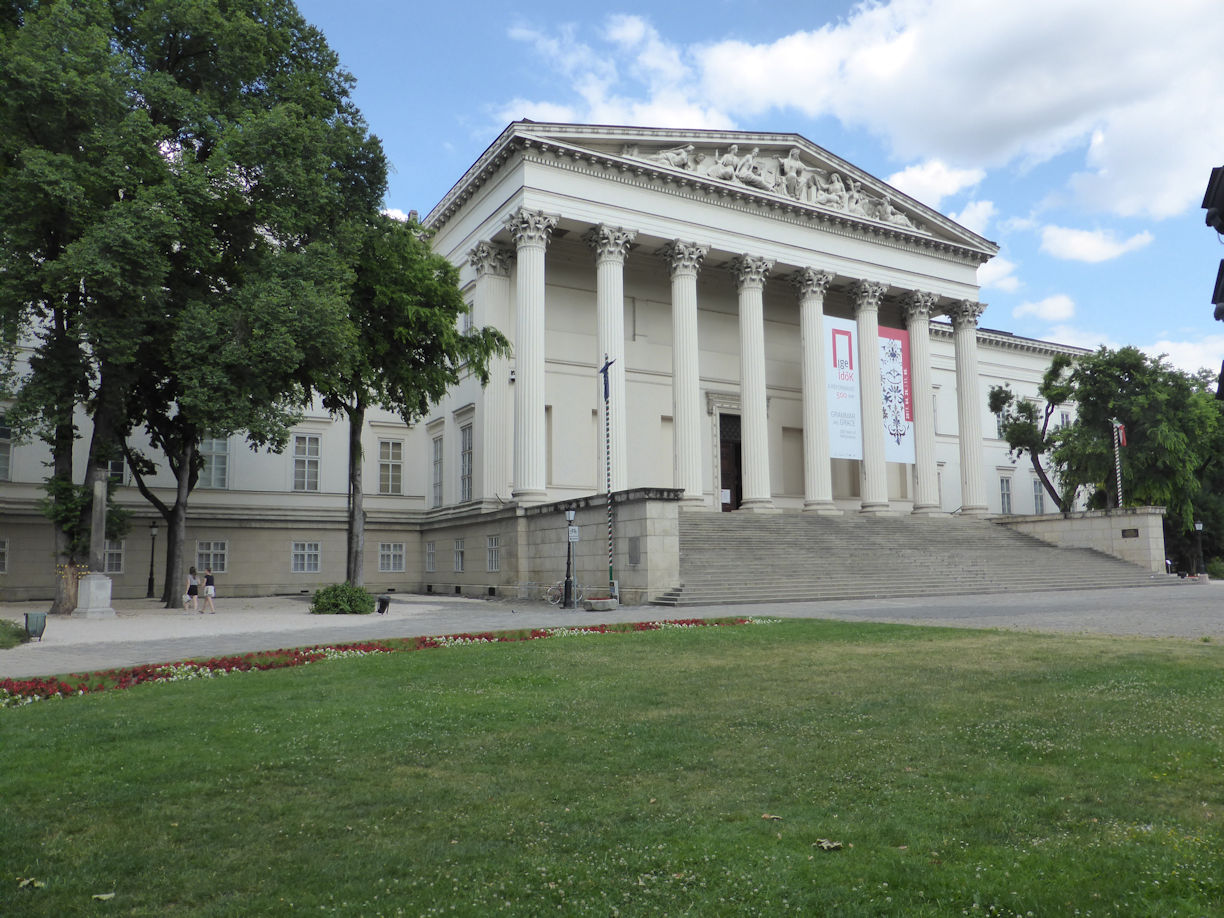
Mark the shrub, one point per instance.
(342, 599)
(1215, 568)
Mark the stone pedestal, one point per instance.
(94, 597)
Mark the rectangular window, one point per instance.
(305, 557)
(391, 556)
(3, 556)
(390, 467)
(6, 448)
(113, 556)
(215, 471)
(465, 462)
(1064, 419)
(493, 544)
(115, 469)
(305, 462)
(212, 556)
(1005, 495)
(1038, 496)
(436, 495)
(999, 426)
(459, 555)
(431, 557)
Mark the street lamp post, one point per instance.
(569, 560)
(1198, 535)
(152, 555)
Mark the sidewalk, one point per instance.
(143, 632)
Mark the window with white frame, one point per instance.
(1005, 502)
(1038, 496)
(305, 462)
(115, 469)
(493, 547)
(1064, 419)
(999, 426)
(212, 555)
(431, 557)
(112, 557)
(465, 462)
(436, 493)
(6, 448)
(305, 557)
(3, 556)
(215, 471)
(390, 466)
(459, 555)
(391, 556)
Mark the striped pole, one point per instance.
(608, 470)
(1117, 445)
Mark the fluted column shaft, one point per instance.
(751, 273)
(968, 409)
(611, 245)
(530, 231)
(917, 306)
(685, 259)
(817, 474)
(492, 308)
(867, 296)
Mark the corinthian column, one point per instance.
(917, 307)
(685, 259)
(530, 230)
(492, 307)
(867, 296)
(964, 316)
(751, 272)
(611, 245)
(817, 477)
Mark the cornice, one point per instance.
(1005, 341)
(517, 143)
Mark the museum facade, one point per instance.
(700, 321)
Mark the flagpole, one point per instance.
(1118, 433)
(612, 591)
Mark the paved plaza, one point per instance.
(143, 632)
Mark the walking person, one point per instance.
(210, 590)
(192, 596)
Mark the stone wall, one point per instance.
(1134, 534)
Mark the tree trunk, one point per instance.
(1047, 484)
(65, 561)
(356, 521)
(176, 532)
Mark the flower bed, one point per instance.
(16, 692)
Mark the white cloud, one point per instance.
(1080, 337)
(932, 181)
(998, 274)
(395, 214)
(1191, 356)
(976, 216)
(1088, 245)
(1057, 308)
(958, 81)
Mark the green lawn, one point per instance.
(959, 772)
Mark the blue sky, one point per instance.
(1078, 134)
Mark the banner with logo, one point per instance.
(845, 403)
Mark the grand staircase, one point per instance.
(792, 556)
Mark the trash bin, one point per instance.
(384, 602)
(36, 624)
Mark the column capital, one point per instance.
(867, 294)
(811, 282)
(917, 304)
(965, 313)
(488, 258)
(751, 270)
(609, 242)
(530, 227)
(684, 257)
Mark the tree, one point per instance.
(1172, 422)
(405, 305)
(1026, 428)
(175, 177)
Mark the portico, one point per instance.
(764, 296)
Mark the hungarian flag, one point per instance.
(1121, 429)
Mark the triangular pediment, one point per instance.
(774, 168)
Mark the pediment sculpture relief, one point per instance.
(786, 175)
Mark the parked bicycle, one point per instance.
(555, 594)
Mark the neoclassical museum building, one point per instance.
(701, 321)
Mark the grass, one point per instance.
(11, 634)
(914, 772)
